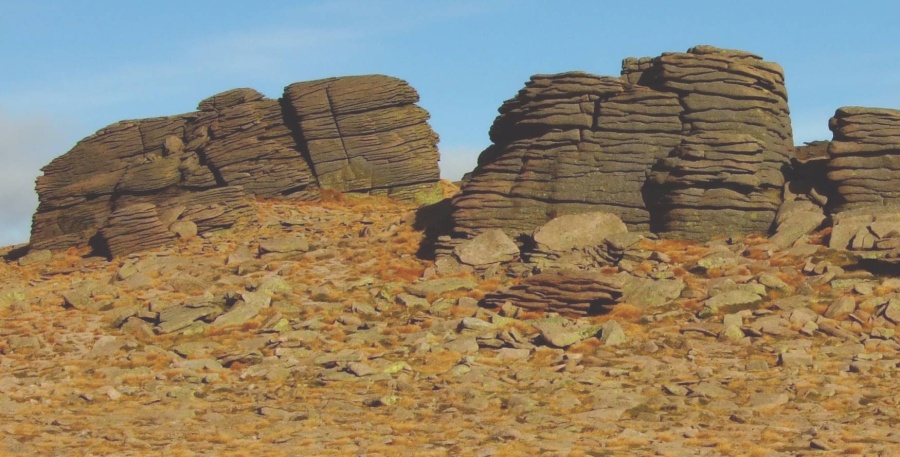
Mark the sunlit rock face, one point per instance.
(689, 145)
(122, 188)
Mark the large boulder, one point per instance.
(577, 231)
(366, 134)
(200, 167)
(575, 142)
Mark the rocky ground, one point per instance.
(318, 331)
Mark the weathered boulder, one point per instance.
(574, 142)
(577, 231)
(366, 134)
(245, 142)
(488, 248)
(134, 228)
(200, 167)
(565, 292)
(864, 157)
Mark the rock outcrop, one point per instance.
(864, 157)
(726, 175)
(366, 134)
(575, 142)
(123, 188)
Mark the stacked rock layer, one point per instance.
(122, 188)
(575, 142)
(365, 134)
(864, 158)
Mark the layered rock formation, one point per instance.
(568, 292)
(574, 142)
(123, 187)
(864, 157)
(365, 134)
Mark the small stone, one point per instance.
(276, 413)
(512, 354)
(892, 311)
(757, 365)
(113, 394)
(184, 229)
(283, 245)
(80, 296)
(239, 314)
(882, 333)
(559, 335)
(768, 400)
(18, 342)
(773, 282)
(710, 390)
(731, 300)
(464, 345)
(676, 389)
(440, 286)
(612, 334)
(864, 288)
(809, 328)
(649, 293)
(736, 319)
(360, 369)
(820, 445)
(473, 323)
(840, 307)
(386, 400)
(800, 316)
(411, 301)
(732, 333)
(795, 358)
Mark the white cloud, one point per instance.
(25, 145)
(458, 160)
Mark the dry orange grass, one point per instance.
(820, 237)
(439, 362)
(448, 188)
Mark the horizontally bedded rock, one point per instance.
(574, 142)
(200, 167)
(864, 157)
(565, 292)
(366, 134)
(726, 175)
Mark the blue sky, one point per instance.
(71, 67)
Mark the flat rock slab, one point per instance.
(567, 291)
(283, 245)
(651, 293)
(575, 231)
(490, 247)
(564, 333)
(440, 286)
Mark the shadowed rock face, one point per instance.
(121, 188)
(575, 142)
